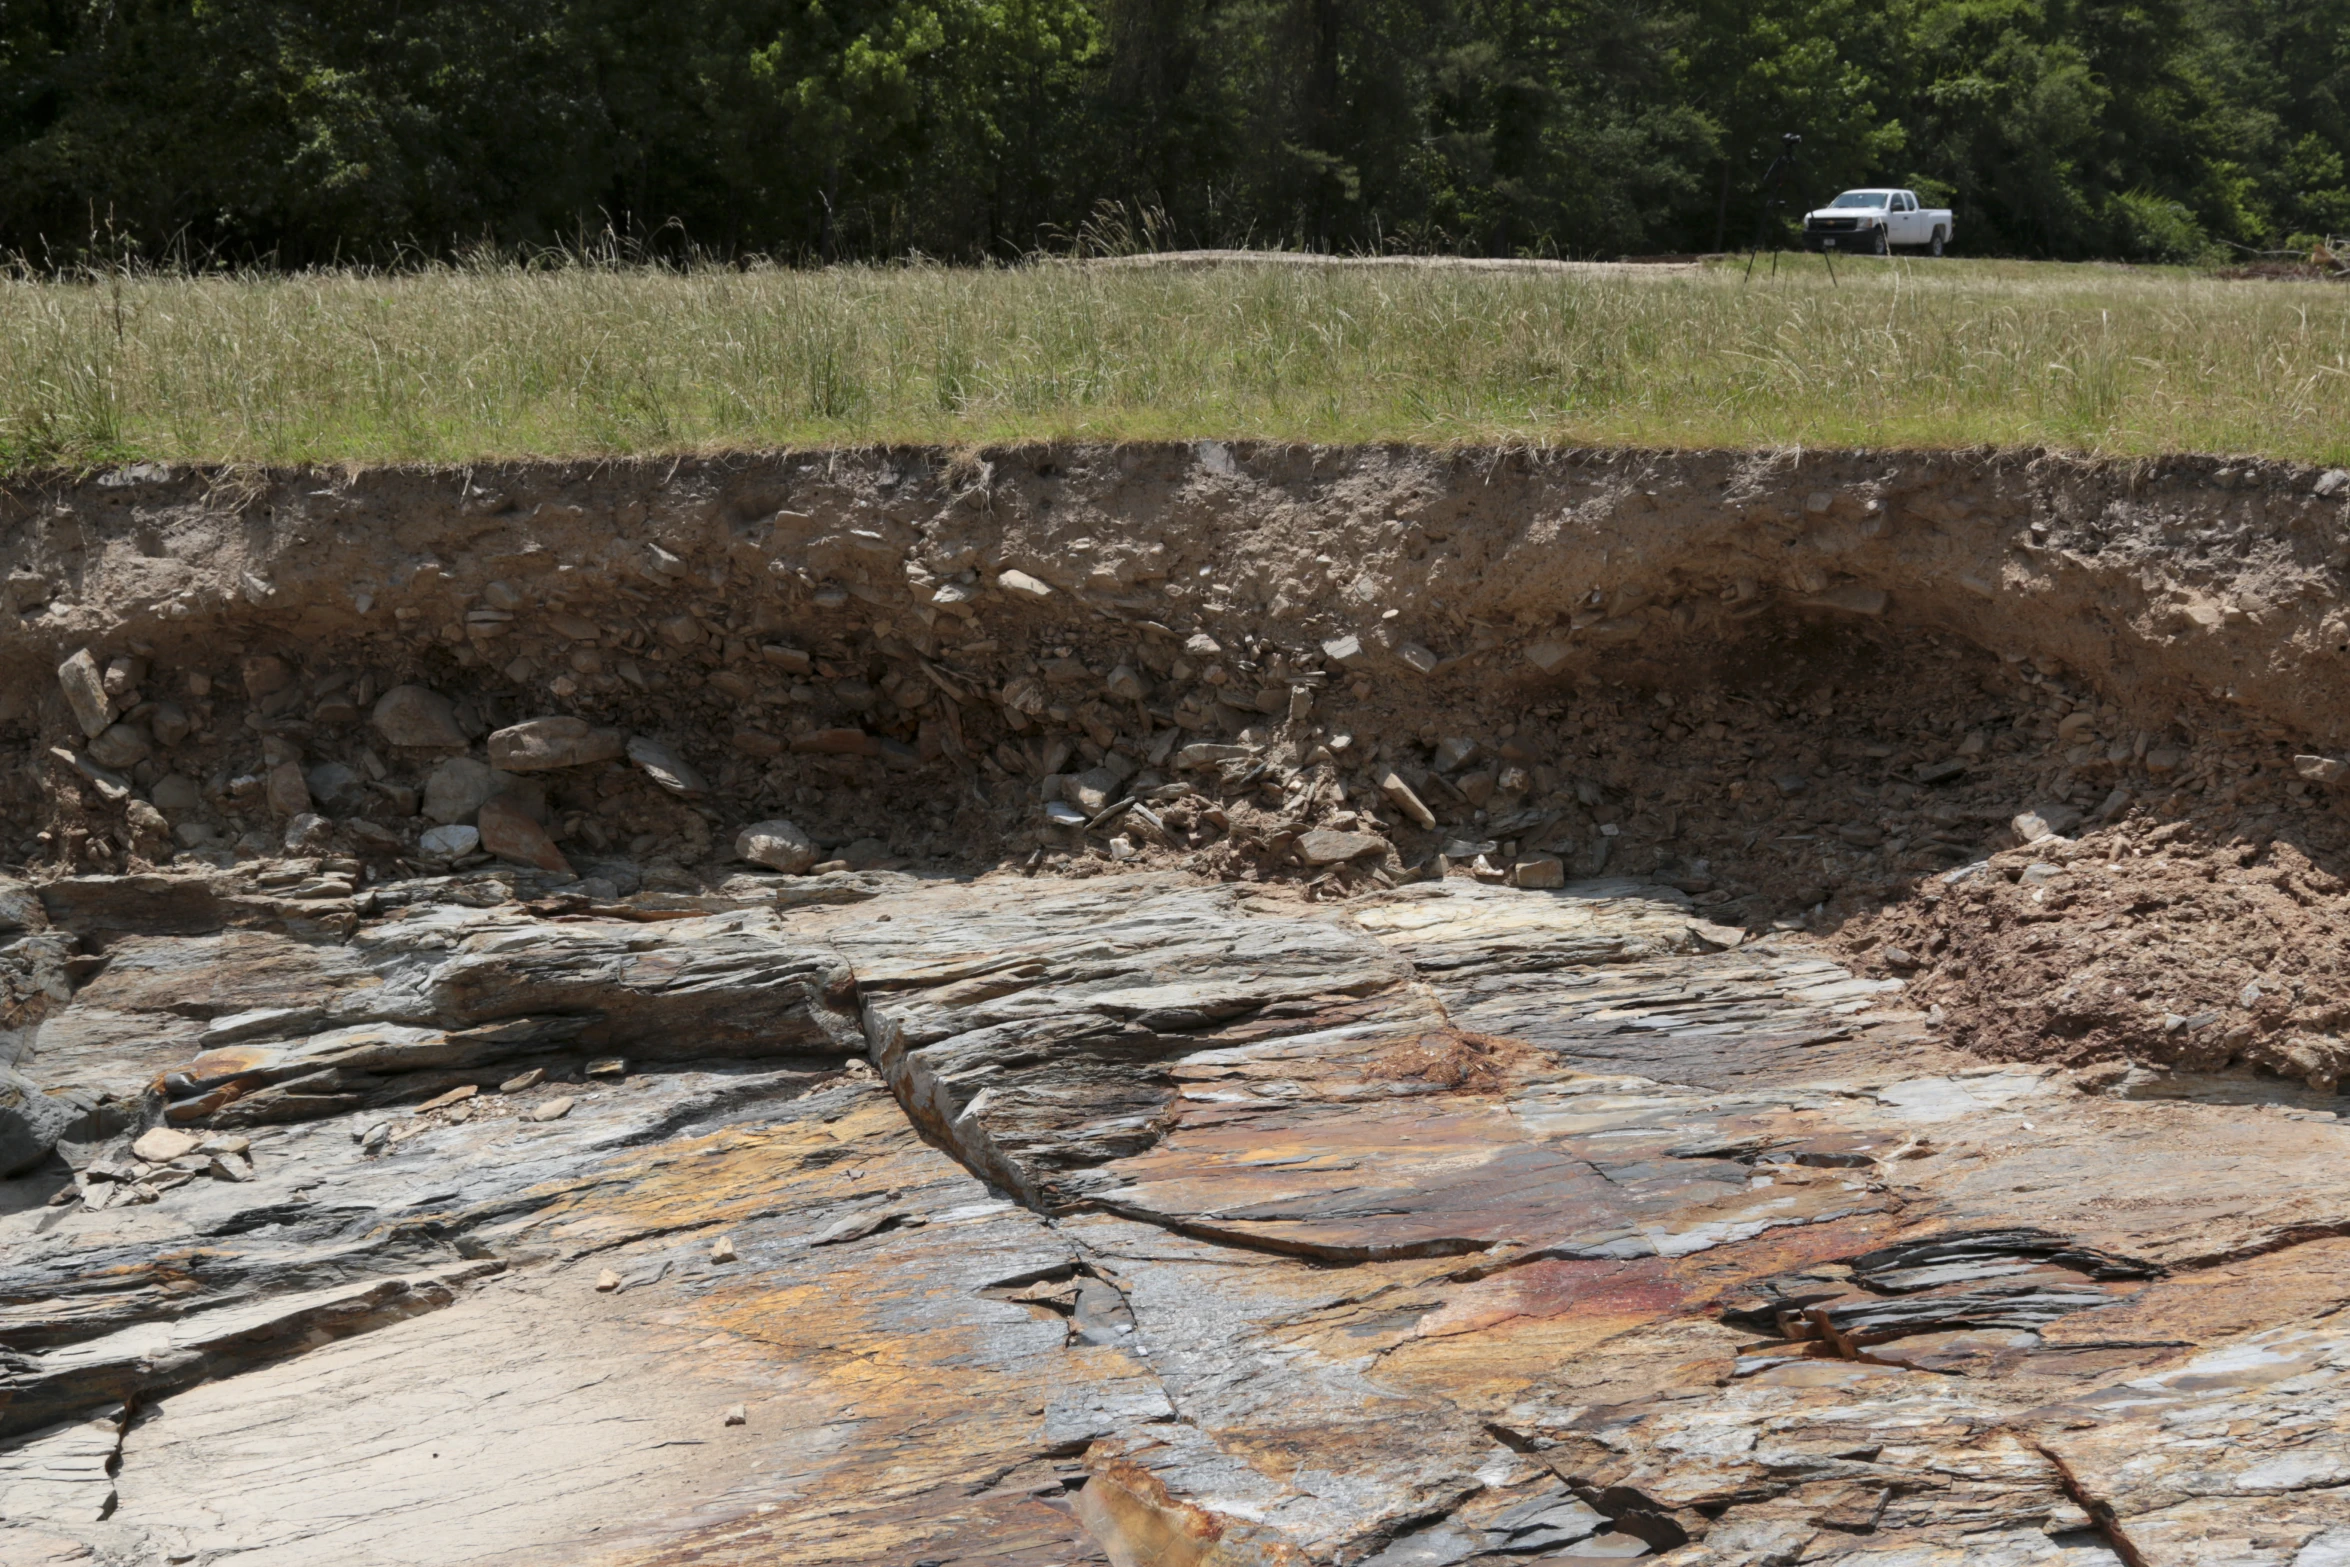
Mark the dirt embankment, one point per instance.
(1801, 686)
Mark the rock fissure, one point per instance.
(2100, 1512)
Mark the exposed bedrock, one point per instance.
(1137, 1219)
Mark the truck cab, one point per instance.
(1876, 222)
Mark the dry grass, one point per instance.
(495, 361)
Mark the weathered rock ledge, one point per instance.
(1138, 1219)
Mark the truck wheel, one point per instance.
(1880, 246)
(1934, 245)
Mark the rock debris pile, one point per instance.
(1176, 1006)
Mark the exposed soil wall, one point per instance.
(1803, 686)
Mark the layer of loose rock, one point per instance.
(1185, 1005)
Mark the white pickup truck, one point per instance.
(1876, 221)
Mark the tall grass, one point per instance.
(495, 361)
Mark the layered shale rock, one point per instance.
(1131, 1220)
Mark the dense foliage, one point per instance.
(372, 129)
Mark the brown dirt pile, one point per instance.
(1455, 1059)
(2146, 942)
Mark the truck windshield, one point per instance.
(1862, 198)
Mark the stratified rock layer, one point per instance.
(1138, 1220)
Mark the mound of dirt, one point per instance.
(2138, 943)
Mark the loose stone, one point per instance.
(161, 1145)
(539, 744)
(777, 844)
(510, 834)
(417, 716)
(85, 692)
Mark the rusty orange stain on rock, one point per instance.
(1624, 1292)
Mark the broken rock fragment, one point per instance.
(309, 833)
(1545, 872)
(662, 764)
(455, 790)
(84, 686)
(176, 796)
(451, 842)
(538, 744)
(419, 717)
(2046, 821)
(31, 1122)
(776, 844)
(1207, 754)
(120, 746)
(508, 832)
(1401, 796)
(161, 1145)
(1549, 657)
(1325, 847)
(288, 790)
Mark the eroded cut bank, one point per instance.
(1800, 687)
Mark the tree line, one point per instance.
(377, 130)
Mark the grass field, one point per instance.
(494, 361)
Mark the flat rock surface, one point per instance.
(1132, 1220)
